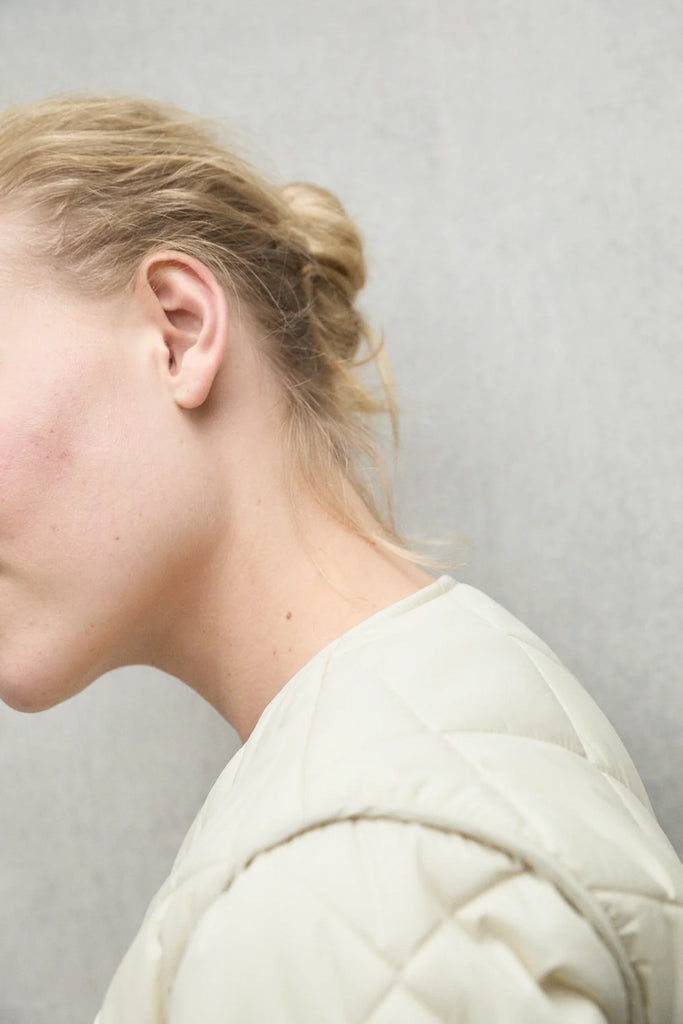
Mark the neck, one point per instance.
(266, 601)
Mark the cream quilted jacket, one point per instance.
(431, 822)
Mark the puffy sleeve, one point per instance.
(377, 921)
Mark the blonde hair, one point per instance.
(107, 181)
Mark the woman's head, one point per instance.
(99, 184)
(169, 322)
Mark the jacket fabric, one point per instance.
(431, 822)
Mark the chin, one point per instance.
(20, 699)
(22, 691)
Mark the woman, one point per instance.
(429, 819)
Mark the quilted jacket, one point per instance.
(432, 821)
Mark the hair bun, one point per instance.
(323, 228)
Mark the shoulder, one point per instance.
(466, 668)
(382, 920)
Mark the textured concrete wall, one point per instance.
(517, 167)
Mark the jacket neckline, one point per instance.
(351, 638)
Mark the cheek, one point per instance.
(79, 507)
(57, 484)
(35, 468)
(60, 555)
(36, 463)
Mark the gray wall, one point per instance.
(518, 170)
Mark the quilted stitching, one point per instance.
(547, 681)
(351, 740)
(459, 921)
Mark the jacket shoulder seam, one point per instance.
(583, 899)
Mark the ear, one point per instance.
(190, 311)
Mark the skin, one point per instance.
(136, 524)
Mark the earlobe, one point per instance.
(190, 311)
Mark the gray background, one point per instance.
(517, 168)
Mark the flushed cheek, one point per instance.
(71, 525)
(43, 492)
(34, 468)
(53, 574)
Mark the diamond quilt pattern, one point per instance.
(431, 822)
(405, 938)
